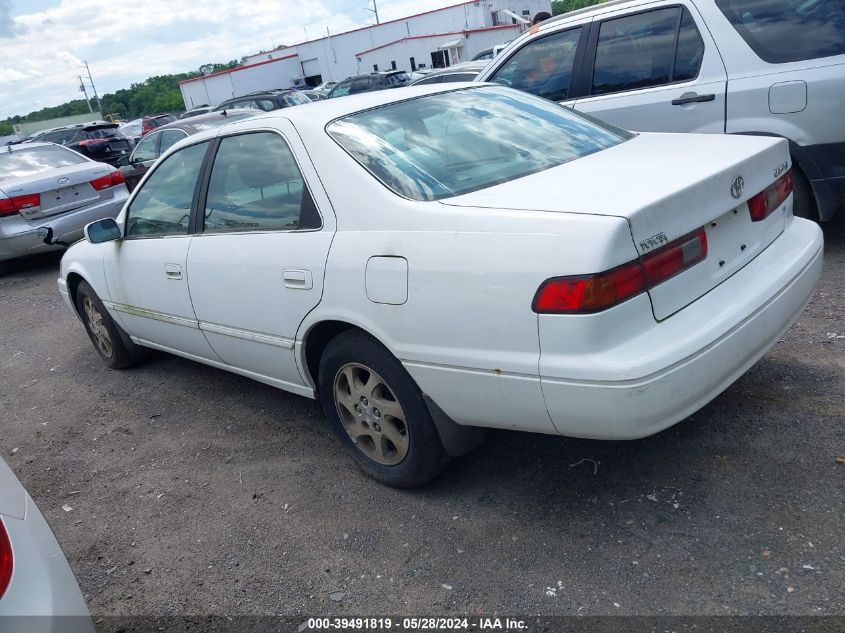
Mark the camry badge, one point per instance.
(63, 180)
(737, 187)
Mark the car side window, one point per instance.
(639, 51)
(256, 185)
(690, 50)
(340, 90)
(429, 80)
(170, 138)
(459, 77)
(162, 206)
(146, 149)
(542, 67)
(265, 104)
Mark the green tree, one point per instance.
(565, 6)
(152, 96)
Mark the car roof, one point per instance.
(91, 125)
(463, 67)
(185, 124)
(588, 9)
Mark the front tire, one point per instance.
(101, 328)
(378, 412)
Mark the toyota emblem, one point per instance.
(737, 187)
(63, 180)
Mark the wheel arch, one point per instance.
(73, 280)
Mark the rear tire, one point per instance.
(803, 200)
(378, 412)
(104, 333)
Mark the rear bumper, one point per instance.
(20, 237)
(668, 372)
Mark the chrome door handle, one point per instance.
(691, 97)
(173, 271)
(298, 279)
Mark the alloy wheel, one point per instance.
(371, 414)
(97, 327)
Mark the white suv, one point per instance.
(771, 67)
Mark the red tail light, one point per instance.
(586, 294)
(10, 206)
(762, 205)
(6, 560)
(89, 142)
(110, 180)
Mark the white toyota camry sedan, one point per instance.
(431, 261)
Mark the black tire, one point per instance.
(803, 200)
(116, 355)
(422, 455)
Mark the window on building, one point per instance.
(375, 68)
(413, 65)
(495, 18)
(392, 65)
(525, 13)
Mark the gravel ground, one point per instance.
(195, 491)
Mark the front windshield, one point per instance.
(447, 144)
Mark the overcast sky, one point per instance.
(43, 41)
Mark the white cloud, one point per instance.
(128, 42)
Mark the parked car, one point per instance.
(465, 71)
(203, 109)
(37, 588)
(432, 260)
(325, 86)
(132, 129)
(99, 140)
(47, 185)
(381, 80)
(490, 53)
(156, 143)
(266, 101)
(775, 68)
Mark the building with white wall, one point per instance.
(441, 37)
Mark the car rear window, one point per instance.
(22, 162)
(447, 144)
(294, 98)
(780, 31)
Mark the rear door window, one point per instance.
(340, 90)
(170, 138)
(780, 31)
(647, 49)
(542, 67)
(256, 185)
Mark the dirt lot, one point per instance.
(195, 491)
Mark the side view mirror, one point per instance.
(105, 230)
(123, 161)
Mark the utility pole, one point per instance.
(91, 81)
(374, 10)
(85, 92)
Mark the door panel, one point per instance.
(148, 289)
(655, 71)
(258, 267)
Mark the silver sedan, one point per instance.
(35, 578)
(46, 185)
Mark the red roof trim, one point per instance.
(234, 70)
(422, 37)
(373, 26)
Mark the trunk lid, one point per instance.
(61, 189)
(665, 186)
